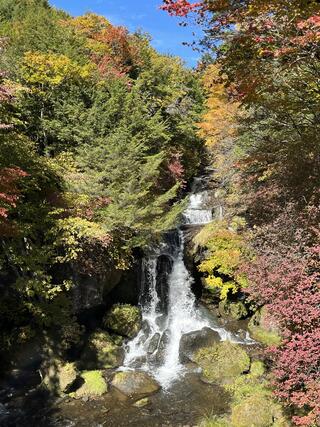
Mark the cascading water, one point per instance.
(196, 214)
(169, 306)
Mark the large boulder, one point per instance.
(93, 385)
(102, 351)
(222, 362)
(60, 377)
(233, 310)
(263, 328)
(254, 411)
(192, 342)
(135, 384)
(124, 319)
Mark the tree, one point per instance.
(139, 198)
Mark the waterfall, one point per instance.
(168, 304)
(196, 213)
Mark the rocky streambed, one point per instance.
(96, 390)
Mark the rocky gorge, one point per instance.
(142, 364)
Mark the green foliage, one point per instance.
(102, 129)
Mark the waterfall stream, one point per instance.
(169, 307)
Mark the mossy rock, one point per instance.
(234, 310)
(135, 384)
(252, 400)
(255, 411)
(94, 385)
(142, 403)
(124, 319)
(222, 362)
(102, 351)
(263, 329)
(60, 376)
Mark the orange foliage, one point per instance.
(219, 122)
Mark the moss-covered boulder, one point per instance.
(255, 411)
(60, 376)
(124, 319)
(263, 328)
(233, 310)
(102, 351)
(135, 384)
(222, 362)
(252, 400)
(93, 385)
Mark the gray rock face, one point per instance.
(153, 344)
(160, 354)
(90, 291)
(192, 342)
(135, 384)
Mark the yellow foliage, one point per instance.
(226, 251)
(219, 122)
(51, 69)
(89, 24)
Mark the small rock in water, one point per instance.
(141, 403)
(135, 384)
(153, 344)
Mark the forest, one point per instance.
(102, 138)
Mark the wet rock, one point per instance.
(233, 310)
(222, 362)
(160, 354)
(135, 384)
(153, 344)
(192, 342)
(164, 268)
(141, 403)
(60, 377)
(4, 413)
(93, 386)
(125, 320)
(263, 328)
(102, 351)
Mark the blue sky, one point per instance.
(167, 35)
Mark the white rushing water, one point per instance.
(196, 213)
(156, 347)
